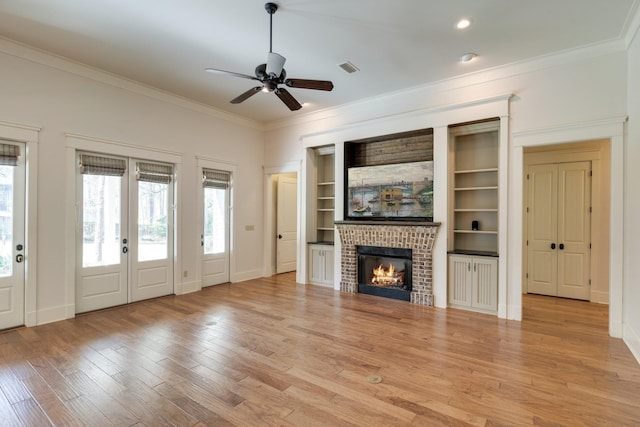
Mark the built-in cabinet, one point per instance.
(321, 264)
(473, 213)
(322, 228)
(473, 282)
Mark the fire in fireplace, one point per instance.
(385, 271)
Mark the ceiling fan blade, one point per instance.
(230, 73)
(248, 94)
(309, 84)
(275, 64)
(288, 99)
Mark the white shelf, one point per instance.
(327, 183)
(493, 187)
(325, 228)
(476, 171)
(325, 210)
(475, 210)
(475, 232)
(326, 198)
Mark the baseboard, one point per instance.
(188, 287)
(246, 275)
(31, 318)
(514, 312)
(631, 337)
(51, 315)
(600, 297)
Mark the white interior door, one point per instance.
(543, 230)
(286, 218)
(125, 231)
(559, 230)
(102, 261)
(216, 225)
(12, 197)
(151, 258)
(574, 230)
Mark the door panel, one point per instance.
(215, 237)
(287, 226)
(152, 230)
(542, 229)
(574, 230)
(102, 262)
(12, 197)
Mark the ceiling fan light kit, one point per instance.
(272, 74)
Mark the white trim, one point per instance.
(232, 168)
(469, 80)
(48, 59)
(607, 128)
(53, 314)
(29, 136)
(89, 143)
(441, 215)
(631, 337)
(246, 275)
(269, 232)
(633, 28)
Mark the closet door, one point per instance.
(559, 230)
(543, 230)
(574, 230)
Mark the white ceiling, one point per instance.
(396, 45)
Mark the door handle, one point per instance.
(19, 258)
(561, 246)
(125, 250)
(202, 240)
(553, 246)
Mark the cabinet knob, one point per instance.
(553, 246)
(561, 246)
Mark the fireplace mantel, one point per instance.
(418, 236)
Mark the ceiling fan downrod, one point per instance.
(271, 9)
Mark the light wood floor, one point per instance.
(270, 352)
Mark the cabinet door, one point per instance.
(485, 284)
(327, 256)
(315, 264)
(460, 280)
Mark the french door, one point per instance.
(216, 225)
(125, 231)
(12, 212)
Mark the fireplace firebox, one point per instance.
(385, 271)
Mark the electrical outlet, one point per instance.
(248, 227)
(185, 273)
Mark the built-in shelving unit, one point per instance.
(325, 193)
(473, 259)
(474, 156)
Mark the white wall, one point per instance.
(561, 92)
(631, 288)
(63, 98)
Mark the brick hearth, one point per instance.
(418, 236)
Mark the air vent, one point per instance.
(349, 67)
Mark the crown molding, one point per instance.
(460, 82)
(632, 26)
(41, 57)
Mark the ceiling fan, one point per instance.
(272, 74)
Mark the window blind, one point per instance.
(215, 179)
(9, 154)
(98, 165)
(154, 172)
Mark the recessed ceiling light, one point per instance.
(463, 23)
(467, 57)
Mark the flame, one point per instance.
(382, 276)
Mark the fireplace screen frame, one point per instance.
(403, 254)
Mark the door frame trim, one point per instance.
(612, 129)
(86, 143)
(29, 135)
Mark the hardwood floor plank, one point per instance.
(273, 352)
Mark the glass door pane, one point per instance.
(6, 221)
(153, 210)
(215, 241)
(101, 220)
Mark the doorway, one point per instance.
(286, 222)
(125, 230)
(216, 226)
(566, 221)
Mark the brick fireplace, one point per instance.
(417, 236)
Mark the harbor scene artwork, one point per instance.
(391, 191)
